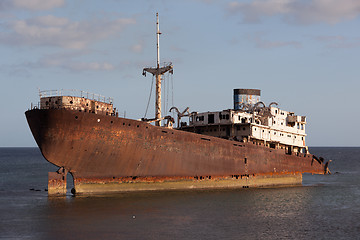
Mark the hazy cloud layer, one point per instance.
(138, 48)
(297, 11)
(260, 42)
(65, 60)
(61, 32)
(34, 5)
(338, 41)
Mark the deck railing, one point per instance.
(75, 93)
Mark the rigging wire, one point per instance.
(167, 95)
(164, 91)
(172, 95)
(147, 107)
(172, 90)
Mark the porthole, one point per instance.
(71, 102)
(76, 117)
(98, 120)
(111, 121)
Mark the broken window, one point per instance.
(211, 118)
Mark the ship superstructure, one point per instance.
(252, 121)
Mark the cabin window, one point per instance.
(200, 118)
(211, 118)
(276, 111)
(243, 120)
(227, 116)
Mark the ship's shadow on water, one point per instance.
(325, 207)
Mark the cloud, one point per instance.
(60, 32)
(138, 48)
(177, 48)
(297, 11)
(260, 42)
(68, 61)
(93, 66)
(337, 41)
(254, 11)
(34, 5)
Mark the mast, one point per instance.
(158, 72)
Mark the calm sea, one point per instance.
(325, 207)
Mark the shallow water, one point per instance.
(325, 207)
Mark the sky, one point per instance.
(302, 54)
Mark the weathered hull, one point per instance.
(107, 153)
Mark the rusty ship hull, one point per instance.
(107, 154)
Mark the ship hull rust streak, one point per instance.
(107, 154)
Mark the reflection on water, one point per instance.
(325, 207)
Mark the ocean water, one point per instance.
(325, 207)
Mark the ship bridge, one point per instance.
(81, 101)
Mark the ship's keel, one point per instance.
(131, 184)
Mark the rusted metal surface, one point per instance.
(101, 185)
(77, 104)
(92, 146)
(56, 183)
